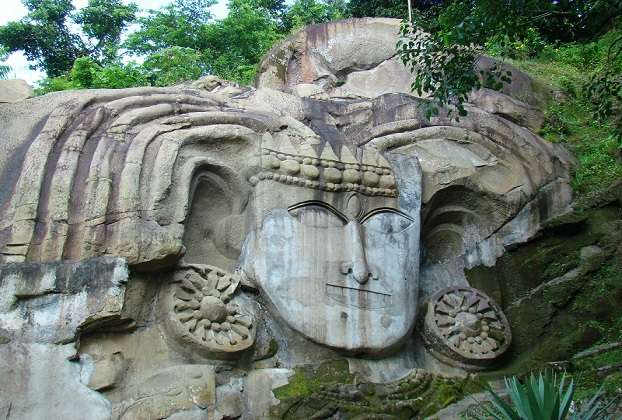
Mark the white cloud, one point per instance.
(14, 10)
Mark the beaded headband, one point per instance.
(371, 175)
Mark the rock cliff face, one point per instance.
(305, 246)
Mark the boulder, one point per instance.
(15, 90)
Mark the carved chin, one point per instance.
(360, 298)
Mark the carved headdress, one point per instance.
(319, 167)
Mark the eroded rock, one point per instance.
(209, 248)
(15, 90)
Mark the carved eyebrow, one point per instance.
(319, 204)
(385, 210)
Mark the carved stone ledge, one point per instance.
(465, 327)
(200, 311)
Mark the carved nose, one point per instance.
(357, 253)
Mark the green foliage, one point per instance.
(119, 76)
(455, 34)
(4, 69)
(46, 37)
(84, 72)
(433, 63)
(381, 8)
(604, 88)
(528, 46)
(238, 42)
(307, 12)
(173, 65)
(594, 138)
(181, 23)
(230, 48)
(87, 74)
(103, 21)
(539, 398)
(54, 84)
(543, 397)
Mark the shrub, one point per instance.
(543, 397)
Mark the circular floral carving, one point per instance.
(466, 325)
(201, 311)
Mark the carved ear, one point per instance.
(114, 175)
(216, 224)
(457, 218)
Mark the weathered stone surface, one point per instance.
(106, 372)
(389, 76)
(309, 90)
(345, 293)
(464, 325)
(325, 54)
(201, 311)
(559, 303)
(259, 385)
(204, 244)
(230, 400)
(52, 303)
(356, 58)
(14, 90)
(517, 111)
(168, 391)
(41, 381)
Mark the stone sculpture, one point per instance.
(208, 239)
(466, 325)
(334, 249)
(202, 313)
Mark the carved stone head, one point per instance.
(335, 245)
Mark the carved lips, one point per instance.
(360, 298)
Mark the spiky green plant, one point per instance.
(542, 397)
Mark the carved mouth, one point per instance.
(360, 298)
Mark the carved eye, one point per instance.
(317, 215)
(387, 221)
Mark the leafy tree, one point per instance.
(173, 65)
(442, 45)
(103, 22)
(54, 84)
(179, 24)
(4, 69)
(119, 76)
(84, 72)
(46, 38)
(238, 42)
(604, 89)
(230, 48)
(87, 74)
(390, 8)
(378, 8)
(307, 12)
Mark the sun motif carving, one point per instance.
(466, 325)
(202, 311)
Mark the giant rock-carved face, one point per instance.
(338, 261)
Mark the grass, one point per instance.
(569, 114)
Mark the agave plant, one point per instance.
(543, 397)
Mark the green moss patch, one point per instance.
(330, 390)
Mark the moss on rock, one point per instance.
(561, 295)
(330, 390)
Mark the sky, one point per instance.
(15, 10)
